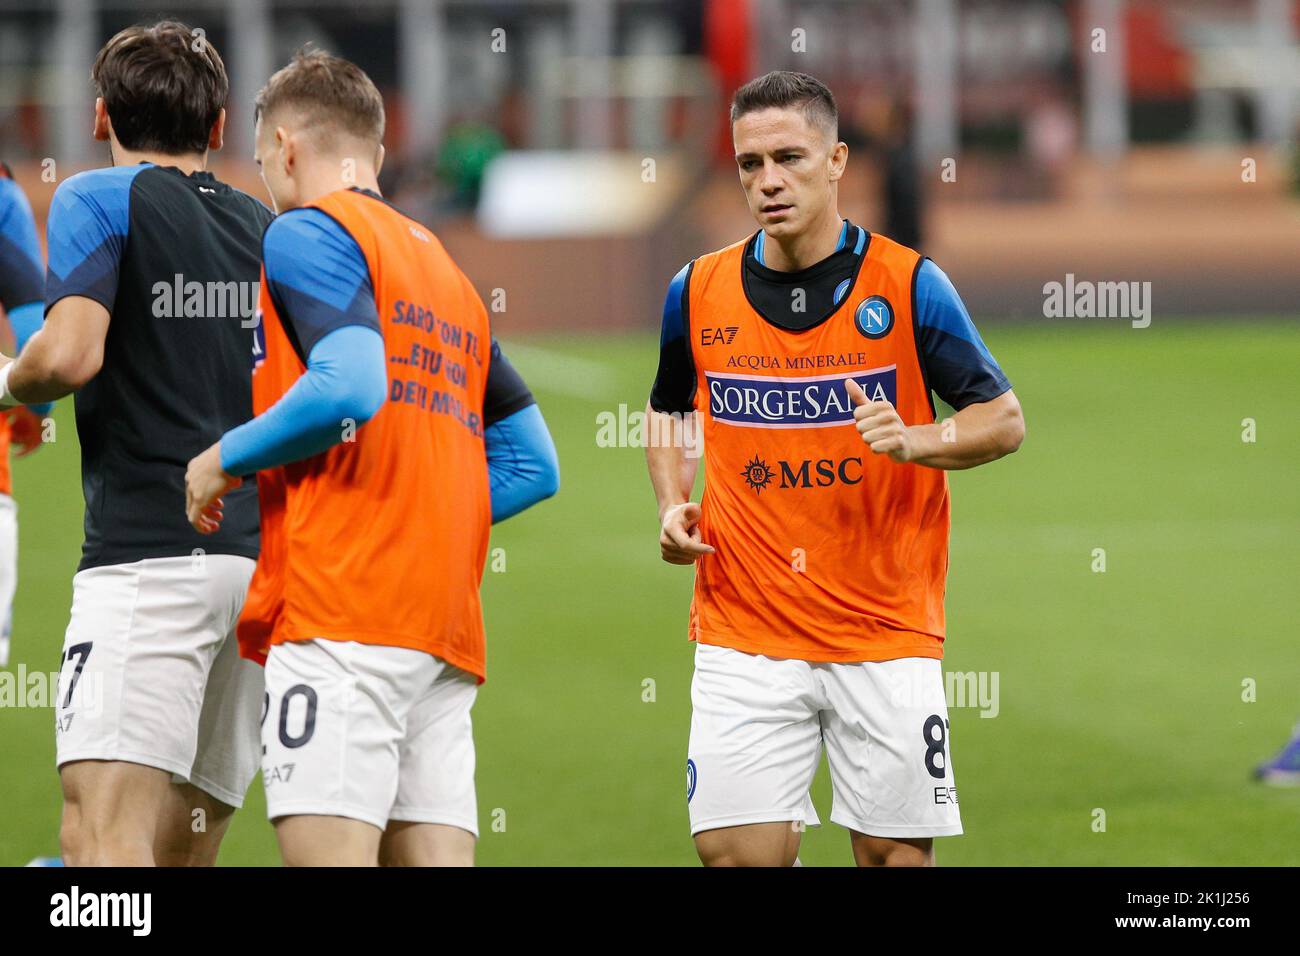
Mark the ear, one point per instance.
(215, 138)
(379, 159)
(288, 148)
(103, 126)
(838, 160)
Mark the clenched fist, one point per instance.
(879, 425)
(679, 536)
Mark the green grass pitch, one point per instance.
(1120, 691)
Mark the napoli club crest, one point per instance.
(690, 780)
(874, 317)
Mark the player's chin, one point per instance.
(783, 224)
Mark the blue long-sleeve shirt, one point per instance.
(523, 467)
(22, 276)
(345, 383)
(321, 282)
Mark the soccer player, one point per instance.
(22, 296)
(805, 355)
(390, 433)
(153, 265)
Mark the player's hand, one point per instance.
(879, 425)
(679, 536)
(26, 429)
(205, 482)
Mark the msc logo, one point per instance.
(757, 475)
(874, 317)
(809, 473)
(714, 336)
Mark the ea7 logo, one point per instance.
(280, 774)
(714, 336)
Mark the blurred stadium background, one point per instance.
(573, 155)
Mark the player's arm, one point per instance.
(975, 435)
(22, 274)
(22, 301)
(342, 388)
(65, 354)
(672, 456)
(320, 282)
(987, 423)
(672, 466)
(57, 366)
(86, 234)
(523, 467)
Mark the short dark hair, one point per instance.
(163, 85)
(332, 93)
(782, 89)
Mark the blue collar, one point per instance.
(762, 237)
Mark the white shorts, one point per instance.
(757, 728)
(368, 732)
(8, 570)
(151, 672)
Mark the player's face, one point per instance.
(788, 168)
(271, 155)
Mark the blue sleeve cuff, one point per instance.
(26, 321)
(346, 379)
(22, 275)
(523, 467)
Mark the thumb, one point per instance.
(856, 393)
(691, 513)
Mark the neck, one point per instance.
(185, 162)
(792, 253)
(327, 177)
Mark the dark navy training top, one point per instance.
(175, 260)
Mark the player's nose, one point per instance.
(769, 182)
